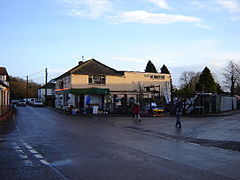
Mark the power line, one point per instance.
(37, 78)
(36, 72)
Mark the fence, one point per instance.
(228, 103)
(206, 103)
(215, 103)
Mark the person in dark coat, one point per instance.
(178, 117)
(136, 112)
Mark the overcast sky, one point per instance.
(123, 34)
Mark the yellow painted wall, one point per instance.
(129, 82)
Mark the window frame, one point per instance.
(97, 79)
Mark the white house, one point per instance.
(4, 90)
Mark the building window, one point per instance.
(60, 84)
(2, 78)
(97, 79)
(157, 77)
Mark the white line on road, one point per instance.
(33, 151)
(29, 147)
(41, 159)
(38, 156)
(19, 151)
(23, 156)
(44, 162)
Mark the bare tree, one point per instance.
(189, 79)
(232, 77)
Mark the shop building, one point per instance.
(92, 83)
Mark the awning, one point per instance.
(102, 91)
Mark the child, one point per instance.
(136, 111)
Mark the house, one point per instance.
(4, 91)
(92, 83)
(46, 93)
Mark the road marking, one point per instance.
(23, 156)
(19, 151)
(33, 151)
(44, 162)
(27, 146)
(38, 156)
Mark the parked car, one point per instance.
(31, 101)
(14, 101)
(37, 104)
(21, 103)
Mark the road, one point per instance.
(44, 144)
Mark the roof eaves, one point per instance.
(71, 71)
(3, 84)
(94, 60)
(3, 71)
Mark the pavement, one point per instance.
(218, 130)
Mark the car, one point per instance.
(14, 101)
(21, 103)
(37, 104)
(31, 101)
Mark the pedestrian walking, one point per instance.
(178, 117)
(136, 112)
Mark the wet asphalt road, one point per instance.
(43, 144)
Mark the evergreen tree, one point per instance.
(206, 82)
(150, 67)
(219, 89)
(164, 70)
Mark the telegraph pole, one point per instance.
(27, 90)
(46, 74)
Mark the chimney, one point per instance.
(80, 62)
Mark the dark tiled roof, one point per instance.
(3, 84)
(49, 86)
(91, 67)
(94, 67)
(3, 71)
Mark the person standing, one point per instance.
(136, 112)
(178, 117)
